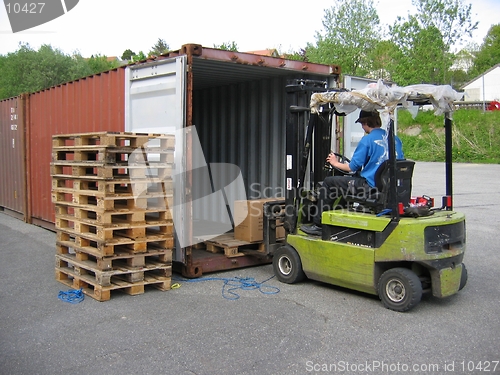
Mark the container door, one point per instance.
(155, 97)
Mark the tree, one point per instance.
(422, 54)
(127, 55)
(139, 57)
(300, 55)
(425, 40)
(159, 48)
(27, 70)
(351, 31)
(98, 64)
(489, 52)
(229, 46)
(451, 17)
(383, 60)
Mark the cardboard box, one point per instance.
(250, 214)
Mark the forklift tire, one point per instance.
(399, 289)
(463, 278)
(287, 265)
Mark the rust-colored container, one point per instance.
(231, 105)
(13, 197)
(91, 104)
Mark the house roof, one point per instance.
(273, 52)
(479, 76)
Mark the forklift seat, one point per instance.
(376, 199)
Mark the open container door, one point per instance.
(156, 103)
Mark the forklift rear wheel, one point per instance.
(287, 265)
(399, 289)
(463, 278)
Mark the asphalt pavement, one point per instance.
(306, 328)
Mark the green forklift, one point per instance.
(386, 242)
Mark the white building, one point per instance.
(484, 87)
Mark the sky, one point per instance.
(109, 27)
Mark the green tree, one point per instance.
(489, 52)
(383, 60)
(452, 18)
(229, 46)
(421, 56)
(139, 57)
(299, 55)
(127, 55)
(425, 39)
(351, 31)
(98, 64)
(159, 48)
(27, 70)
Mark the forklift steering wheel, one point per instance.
(343, 159)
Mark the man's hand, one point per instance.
(334, 161)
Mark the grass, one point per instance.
(475, 136)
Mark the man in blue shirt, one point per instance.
(372, 150)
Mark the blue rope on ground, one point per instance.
(71, 296)
(234, 283)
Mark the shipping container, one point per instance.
(90, 104)
(13, 196)
(230, 108)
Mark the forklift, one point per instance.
(386, 242)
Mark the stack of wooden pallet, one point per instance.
(112, 193)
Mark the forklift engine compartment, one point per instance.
(385, 242)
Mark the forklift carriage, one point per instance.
(385, 243)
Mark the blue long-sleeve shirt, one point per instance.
(372, 150)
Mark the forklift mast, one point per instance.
(308, 138)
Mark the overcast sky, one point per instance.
(109, 27)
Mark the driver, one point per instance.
(371, 151)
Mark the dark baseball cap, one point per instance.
(366, 114)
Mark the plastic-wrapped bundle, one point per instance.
(379, 96)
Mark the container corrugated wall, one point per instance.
(13, 196)
(242, 124)
(91, 104)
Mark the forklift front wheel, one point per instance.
(287, 265)
(399, 289)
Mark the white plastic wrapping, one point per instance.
(386, 98)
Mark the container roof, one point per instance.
(219, 67)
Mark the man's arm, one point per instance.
(332, 159)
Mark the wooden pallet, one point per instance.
(97, 216)
(112, 155)
(105, 171)
(230, 246)
(99, 232)
(92, 245)
(91, 288)
(115, 261)
(113, 188)
(114, 139)
(162, 221)
(87, 201)
(120, 268)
